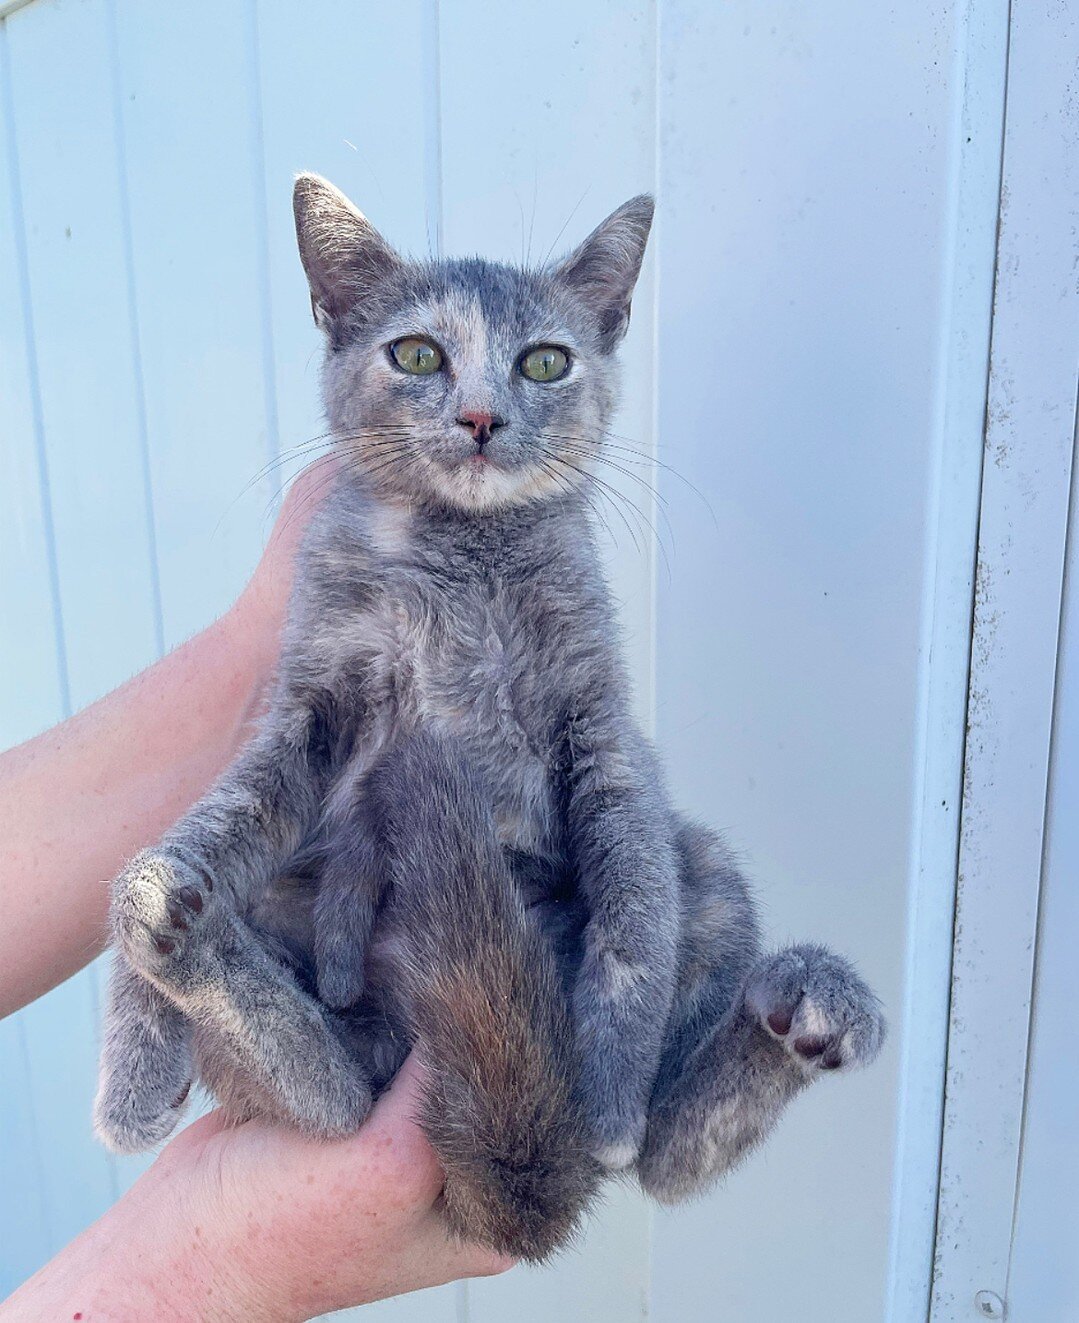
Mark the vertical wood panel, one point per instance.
(77, 299)
(806, 236)
(193, 208)
(950, 538)
(1043, 1279)
(79, 288)
(31, 632)
(24, 1220)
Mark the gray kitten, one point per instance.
(448, 830)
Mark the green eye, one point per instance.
(545, 363)
(420, 357)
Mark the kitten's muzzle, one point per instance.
(481, 425)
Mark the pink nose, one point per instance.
(481, 425)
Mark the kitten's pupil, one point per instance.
(545, 363)
(417, 356)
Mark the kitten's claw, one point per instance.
(816, 1007)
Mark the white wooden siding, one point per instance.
(809, 355)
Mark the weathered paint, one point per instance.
(1029, 445)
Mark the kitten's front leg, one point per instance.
(168, 899)
(620, 829)
(174, 916)
(166, 909)
(346, 906)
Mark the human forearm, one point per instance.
(78, 800)
(146, 1258)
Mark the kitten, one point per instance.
(449, 831)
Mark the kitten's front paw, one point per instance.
(160, 905)
(815, 1005)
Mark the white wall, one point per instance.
(808, 355)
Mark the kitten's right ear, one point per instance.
(344, 256)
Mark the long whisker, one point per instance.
(344, 445)
(316, 492)
(562, 231)
(299, 451)
(644, 457)
(661, 501)
(570, 489)
(597, 457)
(313, 466)
(310, 497)
(610, 492)
(584, 453)
(617, 500)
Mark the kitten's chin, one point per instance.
(484, 487)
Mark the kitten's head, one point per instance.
(466, 382)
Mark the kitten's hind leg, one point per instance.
(145, 1069)
(255, 1020)
(719, 942)
(798, 1013)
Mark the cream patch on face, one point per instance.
(489, 487)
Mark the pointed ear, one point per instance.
(345, 257)
(604, 269)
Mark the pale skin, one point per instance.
(250, 1222)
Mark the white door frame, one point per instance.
(1029, 441)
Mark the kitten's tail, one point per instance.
(489, 1012)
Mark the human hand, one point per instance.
(262, 604)
(259, 1222)
(252, 626)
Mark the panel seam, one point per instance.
(33, 373)
(260, 187)
(127, 241)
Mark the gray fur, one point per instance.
(449, 830)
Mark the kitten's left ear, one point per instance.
(604, 269)
(344, 256)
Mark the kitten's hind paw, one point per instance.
(815, 1005)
